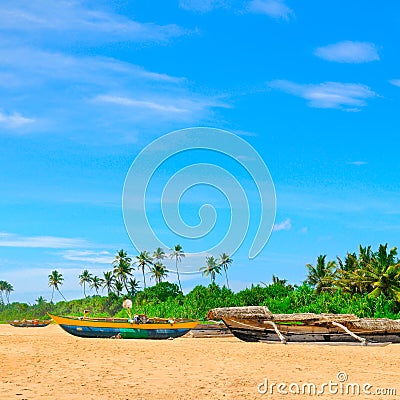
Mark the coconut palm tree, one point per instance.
(55, 281)
(177, 254)
(108, 281)
(133, 286)
(85, 278)
(344, 274)
(211, 268)
(225, 261)
(144, 260)
(8, 290)
(96, 283)
(380, 275)
(158, 271)
(159, 254)
(3, 286)
(322, 276)
(122, 267)
(119, 287)
(278, 281)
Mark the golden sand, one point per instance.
(48, 363)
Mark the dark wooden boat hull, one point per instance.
(34, 324)
(261, 331)
(269, 335)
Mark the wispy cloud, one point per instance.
(119, 85)
(201, 6)
(349, 52)
(285, 225)
(395, 82)
(358, 163)
(14, 120)
(82, 22)
(345, 96)
(14, 240)
(273, 8)
(151, 105)
(169, 106)
(88, 256)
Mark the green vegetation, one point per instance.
(367, 284)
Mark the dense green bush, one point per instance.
(166, 300)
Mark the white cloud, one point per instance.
(285, 225)
(14, 120)
(395, 82)
(170, 106)
(349, 52)
(94, 257)
(117, 88)
(82, 23)
(273, 8)
(345, 96)
(201, 5)
(358, 163)
(151, 105)
(13, 240)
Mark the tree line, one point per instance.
(120, 279)
(371, 273)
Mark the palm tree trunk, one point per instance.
(84, 292)
(144, 279)
(226, 275)
(52, 295)
(58, 290)
(177, 272)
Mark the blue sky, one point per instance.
(313, 86)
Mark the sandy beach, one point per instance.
(47, 363)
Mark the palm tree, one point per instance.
(345, 271)
(225, 261)
(85, 277)
(159, 254)
(211, 268)
(133, 286)
(3, 286)
(277, 281)
(8, 290)
(108, 281)
(178, 254)
(158, 271)
(40, 301)
(119, 287)
(380, 274)
(96, 283)
(144, 260)
(122, 267)
(322, 276)
(55, 281)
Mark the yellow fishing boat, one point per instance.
(139, 327)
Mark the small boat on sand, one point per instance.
(30, 323)
(258, 324)
(139, 327)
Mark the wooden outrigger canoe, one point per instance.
(153, 328)
(30, 323)
(258, 324)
